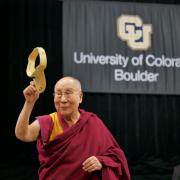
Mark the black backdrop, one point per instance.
(147, 127)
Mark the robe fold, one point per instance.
(62, 158)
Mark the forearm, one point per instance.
(21, 129)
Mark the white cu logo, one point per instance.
(132, 30)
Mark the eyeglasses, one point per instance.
(66, 94)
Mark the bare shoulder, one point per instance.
(35, 124)
(33, 130)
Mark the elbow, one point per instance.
(20, 136)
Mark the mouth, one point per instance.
(63, 108)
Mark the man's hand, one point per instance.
(92, 164)
(30, 93)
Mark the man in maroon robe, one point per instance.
(72, 143)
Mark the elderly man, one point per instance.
(73, 144)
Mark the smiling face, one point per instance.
(67, 97)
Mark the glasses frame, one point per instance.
(66, 94)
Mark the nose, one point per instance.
(63, 98)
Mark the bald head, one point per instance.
(70, 82)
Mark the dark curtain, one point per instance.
(147, 127)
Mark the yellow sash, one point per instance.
(57, 128)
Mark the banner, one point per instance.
(115, 47)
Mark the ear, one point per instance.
(80, 97)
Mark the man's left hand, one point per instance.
(92, 164)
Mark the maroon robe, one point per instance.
(62, 158)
